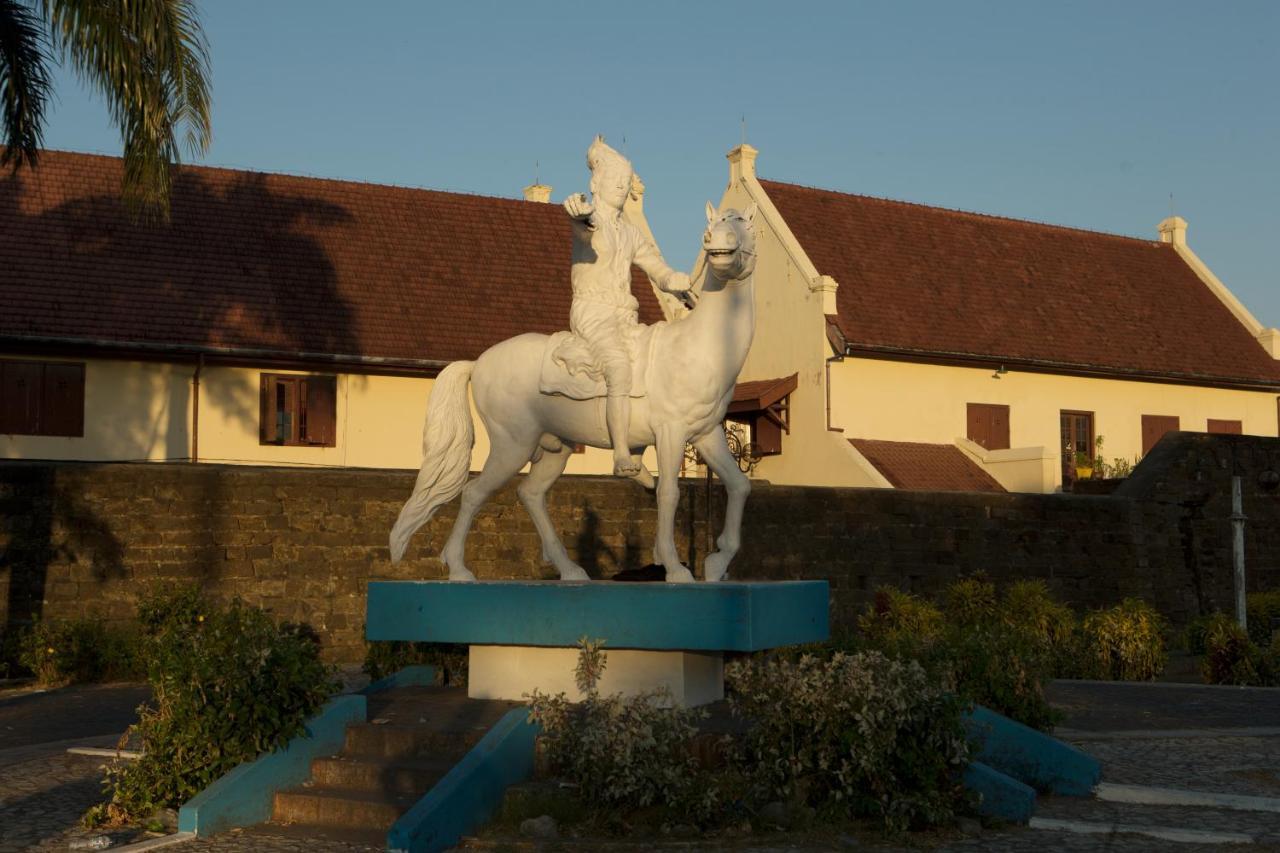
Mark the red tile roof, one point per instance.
(926, 281)
(927, 467)
(759, 394)
(280, 263)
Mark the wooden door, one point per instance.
(1076, 437)
(1225, 427)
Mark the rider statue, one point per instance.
(604, 312)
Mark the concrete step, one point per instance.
(340, 807)
(373, 740)
(1173, 823)
(397, 776)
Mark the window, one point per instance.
(299, 410)
(1077, 437)
(1225, 427)
(989, 425)
(1153, 429)
(41, 398)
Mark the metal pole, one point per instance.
(1238, 519)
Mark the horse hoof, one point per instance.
(628, 467)
(461, 576)
(716, 568)
(679, 574)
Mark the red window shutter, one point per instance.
(988, 425)
(267, 410)
(20, 397)
(320, 411)
(1153, 429)
(62, 403)
(1225, 427)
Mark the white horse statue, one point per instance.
(692, 368)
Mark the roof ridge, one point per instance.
(955, 211)
(204, 167)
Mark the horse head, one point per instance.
(730, 243)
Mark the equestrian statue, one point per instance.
(607, 382)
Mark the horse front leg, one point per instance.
(715, 452)
(670, 447)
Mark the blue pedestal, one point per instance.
(728, 616)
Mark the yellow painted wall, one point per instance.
(927, 403)
(790, 337)
(133, 411)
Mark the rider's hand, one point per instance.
(677, 283)
(578, 206)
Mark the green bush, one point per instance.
(623, 752)
(80, 650)
(971, 601)
(860, 734)
(383, 658)
(1261, 608)
(1231, 657)
(1003, 669)
(228, 685)
(1049, 626)
(1125, 642)
(897, 619)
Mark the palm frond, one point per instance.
(25, 86)
(150, 61)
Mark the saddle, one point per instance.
(569, 368)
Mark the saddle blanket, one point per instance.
(569, 369)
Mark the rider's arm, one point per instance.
(649, 259)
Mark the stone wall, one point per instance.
(82, 539)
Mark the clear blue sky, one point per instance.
(1084, 113)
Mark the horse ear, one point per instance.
(750, 215)
(711, 213)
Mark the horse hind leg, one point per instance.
(506, 458)
(546, 469)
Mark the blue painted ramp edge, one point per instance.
(999, 796)
(243, 796)
(1043, 762)
(726, 616)
(471, 792)
(410, 676)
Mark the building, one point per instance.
(934, 348)
(296, 321)
(275, 320)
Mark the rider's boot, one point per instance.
(617, 416)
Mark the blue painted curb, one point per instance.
(1043, 762)
(471, 792)
(243, 796)
(726, 616)
(999, 795)
(410, 676)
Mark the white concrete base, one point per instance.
(511, 672)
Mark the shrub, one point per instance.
(1125, 642)
(623, 752)
(897, 619)
(1004, 669)
(861, 734)
(383, 658)
(228, 685)
(970, 602)
(80, 650)
(1232, 658)
(1049, 626)
(1261, 610)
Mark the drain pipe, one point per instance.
(1238, 518)
(195, 409)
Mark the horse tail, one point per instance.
(447, 439)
